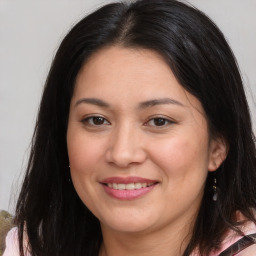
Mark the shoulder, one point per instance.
(240, 245)
(12, 244)
(249, 251)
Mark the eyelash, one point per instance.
(89, 121)
(166, 121)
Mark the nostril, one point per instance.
(125, 157)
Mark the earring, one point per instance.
(214, 187)
(69, 179)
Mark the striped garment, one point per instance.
(232, 244)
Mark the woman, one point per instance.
(143, 144)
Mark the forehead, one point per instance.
(126, 75)
(125, 62)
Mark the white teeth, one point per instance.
(121, 186)
(144, 185)
(137, 185)
(130, 186)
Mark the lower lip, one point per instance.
(128, 194)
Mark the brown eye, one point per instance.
(95, 121)
(159, 121)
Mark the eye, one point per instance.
(95, 121)
(159, 122)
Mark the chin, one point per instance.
(127, 225)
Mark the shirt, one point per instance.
(12, 246)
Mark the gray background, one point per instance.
(30, 32)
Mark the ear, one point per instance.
(218, 151)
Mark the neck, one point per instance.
(171, 241)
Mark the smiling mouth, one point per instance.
(129, 186)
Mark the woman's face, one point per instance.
(138, 143)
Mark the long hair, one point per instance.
(49, 209)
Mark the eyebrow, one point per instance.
(142, 105)
(93, 101)
(161, 101)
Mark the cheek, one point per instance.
(84, 155)
(180, 156)
(83, 151)
(183, 165)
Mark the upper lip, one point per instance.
(127, 180)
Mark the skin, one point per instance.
(129, 141)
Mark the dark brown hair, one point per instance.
(56, 221)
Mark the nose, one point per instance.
(125, 148)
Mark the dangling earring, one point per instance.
(69, 179)
(214, 187)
